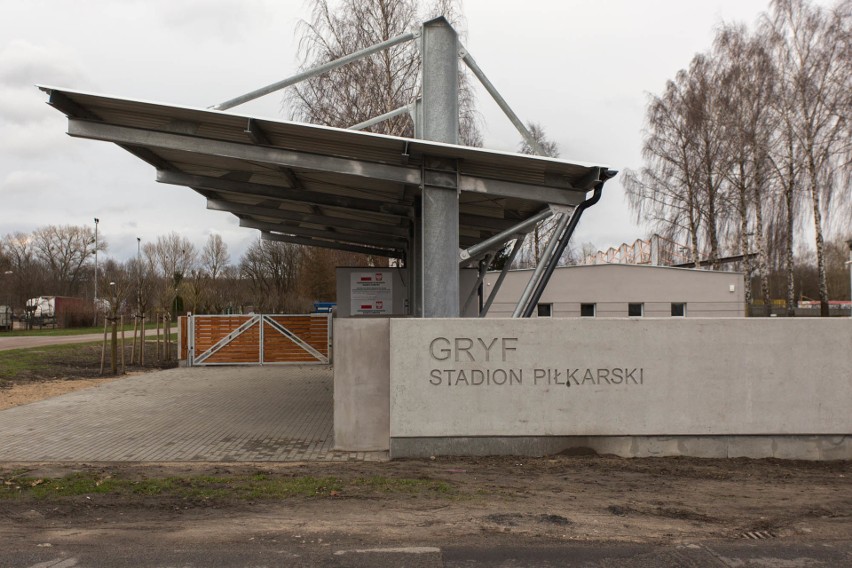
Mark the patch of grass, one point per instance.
(256, 487)
(79, 360)
(68, 486)
(37, 360)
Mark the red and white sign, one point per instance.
(371, 293)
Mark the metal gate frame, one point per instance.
(194, 360)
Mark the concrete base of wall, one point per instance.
(814, 448)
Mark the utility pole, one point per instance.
(138, 274)
(139, 313)
(114, 317)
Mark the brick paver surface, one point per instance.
(270, 413)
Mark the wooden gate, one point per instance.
(258, 339)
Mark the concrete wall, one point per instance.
(612, 286)
(785, 447)
(361, 384)
(592, 377)
(705, 387)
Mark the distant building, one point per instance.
(603, 290)
(625, 290)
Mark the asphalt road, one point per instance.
(25, 342)
(117, 550)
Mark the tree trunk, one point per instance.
(712, 220)
(762, 256)
(744, 241)
(537, 244)
(820, 248)
(788, 253)
(693, 230)
(114, 343)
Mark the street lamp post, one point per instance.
(96, 269)
(849, 264)
(139, 313)
(138, 275)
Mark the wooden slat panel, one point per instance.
(210, 330)
(243, 349)
(277, 347)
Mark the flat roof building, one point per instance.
(625, 290)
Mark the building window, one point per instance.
(635, 310)
(545, 310)
(678, 310)
(587, 310)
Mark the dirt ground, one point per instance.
(18, 394)
(558, 498)
(34, 374)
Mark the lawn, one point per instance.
(76, 361)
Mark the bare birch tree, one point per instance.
(811, 47)
(747, 138)
(665, 193)
(748, 78)
(377, 84)
(703, 105)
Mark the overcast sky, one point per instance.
(582, 69)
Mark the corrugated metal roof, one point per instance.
(325, 185)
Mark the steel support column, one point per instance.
(440, 220)
(416, 256)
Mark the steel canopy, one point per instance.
(323, 186)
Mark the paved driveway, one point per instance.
(271, 413)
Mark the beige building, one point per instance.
(624, 290)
